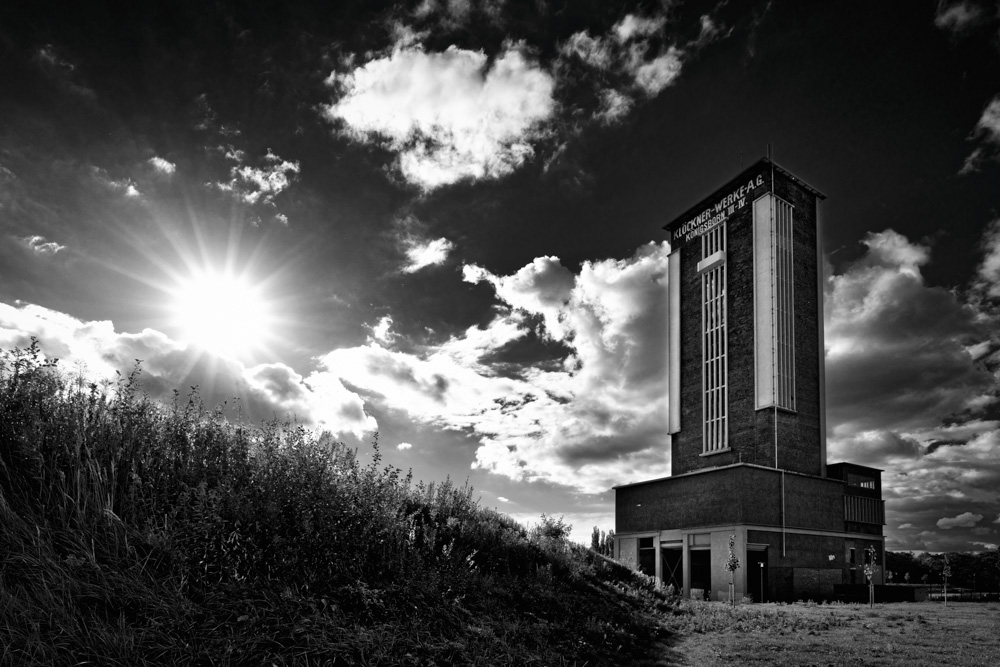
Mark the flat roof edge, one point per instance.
(763, 161)
(725, 467)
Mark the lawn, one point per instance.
(926, 633)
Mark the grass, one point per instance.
(137, 533)
(899, 634)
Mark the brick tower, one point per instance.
(746, 409)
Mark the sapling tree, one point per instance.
(732, 565)
(871, 569)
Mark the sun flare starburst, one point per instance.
(223, 314)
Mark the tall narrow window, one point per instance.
(715, 402)
(774, 303)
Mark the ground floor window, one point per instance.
(647, 556)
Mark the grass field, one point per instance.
(900, 634)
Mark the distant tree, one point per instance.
(595, 539)
(553, 528)
(945, 573)
(609, 543)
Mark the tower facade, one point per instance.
(746, 409)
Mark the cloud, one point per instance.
(502, 499)
(987, 280)
(403, 446)
(591, 417)
(382, 331)
(910, 389)
(905, 526)
(957, 16)
(449, 116)
(426, 253)
(39, 246)
(594, 51)
(910, 342)
(631, 61)
(657, 74)
(324, 402)
(987, 131)
(614, 107)
(410, 237)
(124, 186)
(633, 26)
(97, 350)
(163, 166)
(62, 72)
(964, 520)
(259, 184)
(543, 287)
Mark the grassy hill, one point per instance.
(133, 533)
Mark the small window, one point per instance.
(701, 540)
(862, 481)
(852, 556)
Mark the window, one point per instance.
(647, 556)
(714, 345)
(774, 303)
(700, 540)
(852, 556)
(862, 481)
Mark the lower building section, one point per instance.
(796, 536)
(774, 565)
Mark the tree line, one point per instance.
(978, 570)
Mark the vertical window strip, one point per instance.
(713, 287)
(784, 367)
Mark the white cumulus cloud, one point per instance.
(449, 115)
(590, 418)
(163, 166)
(963, 520)
(421, 254)
(39, 246)
(633, 26)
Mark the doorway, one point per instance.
(701, 569)
(757, 574)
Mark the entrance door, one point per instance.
(673, 568)
(757, 575)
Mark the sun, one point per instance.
(223, 314)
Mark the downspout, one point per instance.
(783, 514)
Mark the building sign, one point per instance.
(715, 214)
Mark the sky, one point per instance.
(441, 221)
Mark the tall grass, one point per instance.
(133, 532)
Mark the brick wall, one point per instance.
(739, 494)
(752, 432)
